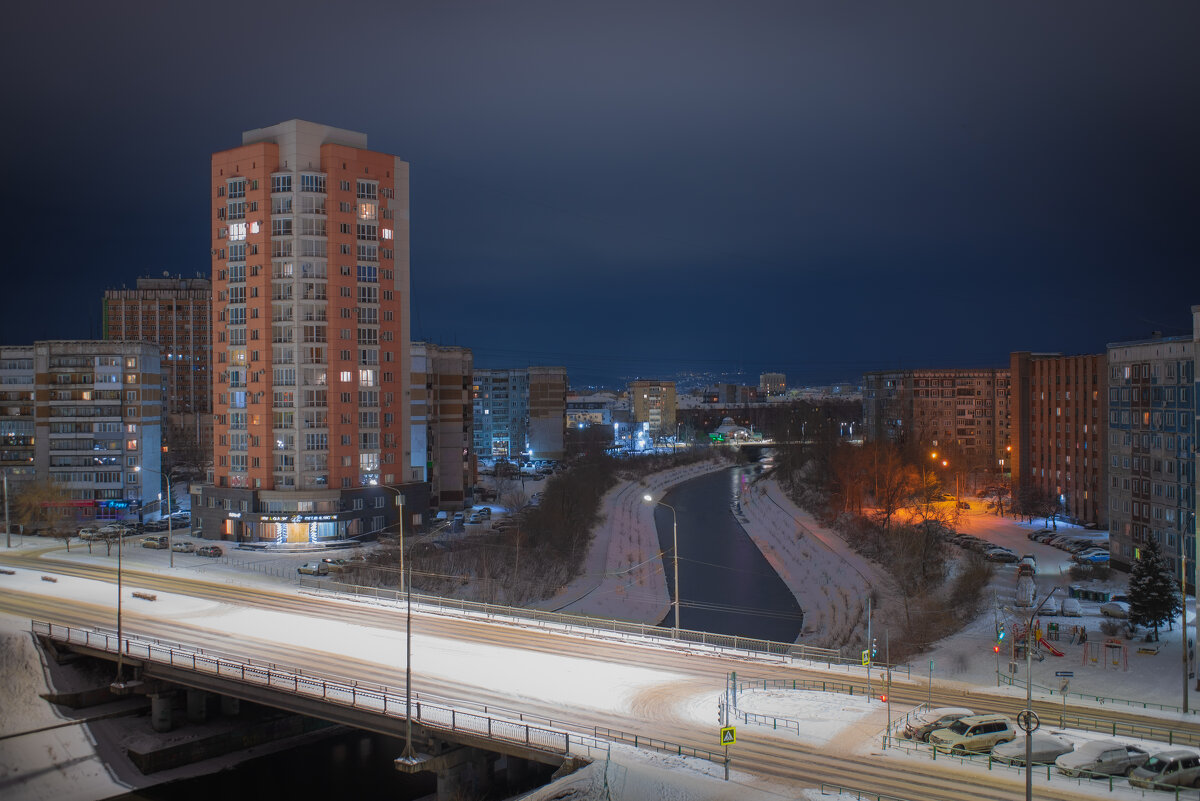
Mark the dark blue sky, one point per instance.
(644, 187)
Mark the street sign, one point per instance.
(1065, 674)
(1027, 719)
(866, 657)
(729, 735)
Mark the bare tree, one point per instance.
(41, 505)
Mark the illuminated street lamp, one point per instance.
(169, 475)
(675, 548)
(408, 749)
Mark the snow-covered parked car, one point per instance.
(919, 727)
(1118, 609)
(1101, 757)
(1071, 608)
(1168, 770)
(1044, 749)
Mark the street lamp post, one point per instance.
(7, 527)
(1029, 694)
(675, 548)
(406, 588)
(170, 532)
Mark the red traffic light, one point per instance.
(883, 698)
(996, 649)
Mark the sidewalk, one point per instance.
(623, 574)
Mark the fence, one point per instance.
(863, 795)
(513, 727)
(1103, 699)
(719, 642)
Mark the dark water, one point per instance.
(728, 585)
(353, 765)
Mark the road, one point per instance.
(656, 709)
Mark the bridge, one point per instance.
(557, 704)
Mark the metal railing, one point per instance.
(1012, 681)
(862, 795)
(592, 625)
(455, 716)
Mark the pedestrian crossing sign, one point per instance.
(729, 735)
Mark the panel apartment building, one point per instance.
(520, 413)
(442, 422)
(1151, 444)
(966, 410)
(311, 351)
(1059, 410)
(87, 416)
(175, 314)
(653, 404)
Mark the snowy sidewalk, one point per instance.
(829, 580)
(623, 574)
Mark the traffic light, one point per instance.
(874, 648)
(1000, 633)
(996, 649)
(883, 698)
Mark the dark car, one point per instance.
(209, 550)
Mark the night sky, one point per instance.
(641, 188)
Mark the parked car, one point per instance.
(459, 517)
(183, 547)
(89, 534)
(1071, 608)
(1000, 555)
(919, 727)
(1101, 757)
(1050, 607)
(977, 733)
(1118, 609)
(209, 550)
(313, 569)
(1094, 558)
(475, 518)
(1044, 749)
(1169, 769)
(155, 542)
(485, 512)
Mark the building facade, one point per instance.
(1059, 408)
(500, 408)
(311, 351)
(87, 416)
(772, 384)
(175, 314)
(547, 412)
(442, 422)
(1151, 443)
(653, 403)
(965, 410)
(520, 413)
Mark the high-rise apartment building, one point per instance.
(500, 401)
(311, 352)
(772, 384)
(1059, 410)
(175, 314)
(1151, 447)
(547, 412)
(442, 444)
(653, 403)
(87, 416)
(966, 410)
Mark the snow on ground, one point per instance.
(623, 575)
(967, 657)
(829, 580)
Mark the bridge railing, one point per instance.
(580, 741)
(592, 625)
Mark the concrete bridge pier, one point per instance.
(462, 772)
(199, 705)
(162, 711)
(230, 707)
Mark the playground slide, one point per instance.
(1042, 642)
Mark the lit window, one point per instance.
(386, 233)
(237, 232)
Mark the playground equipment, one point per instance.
(1054, 651)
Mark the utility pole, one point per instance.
(7, 527)
(869, 655)
(1183, 628)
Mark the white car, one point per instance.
(1044, 748)
(1101, 757)
(919, 727)
(1118, 609)
(1071, 608)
